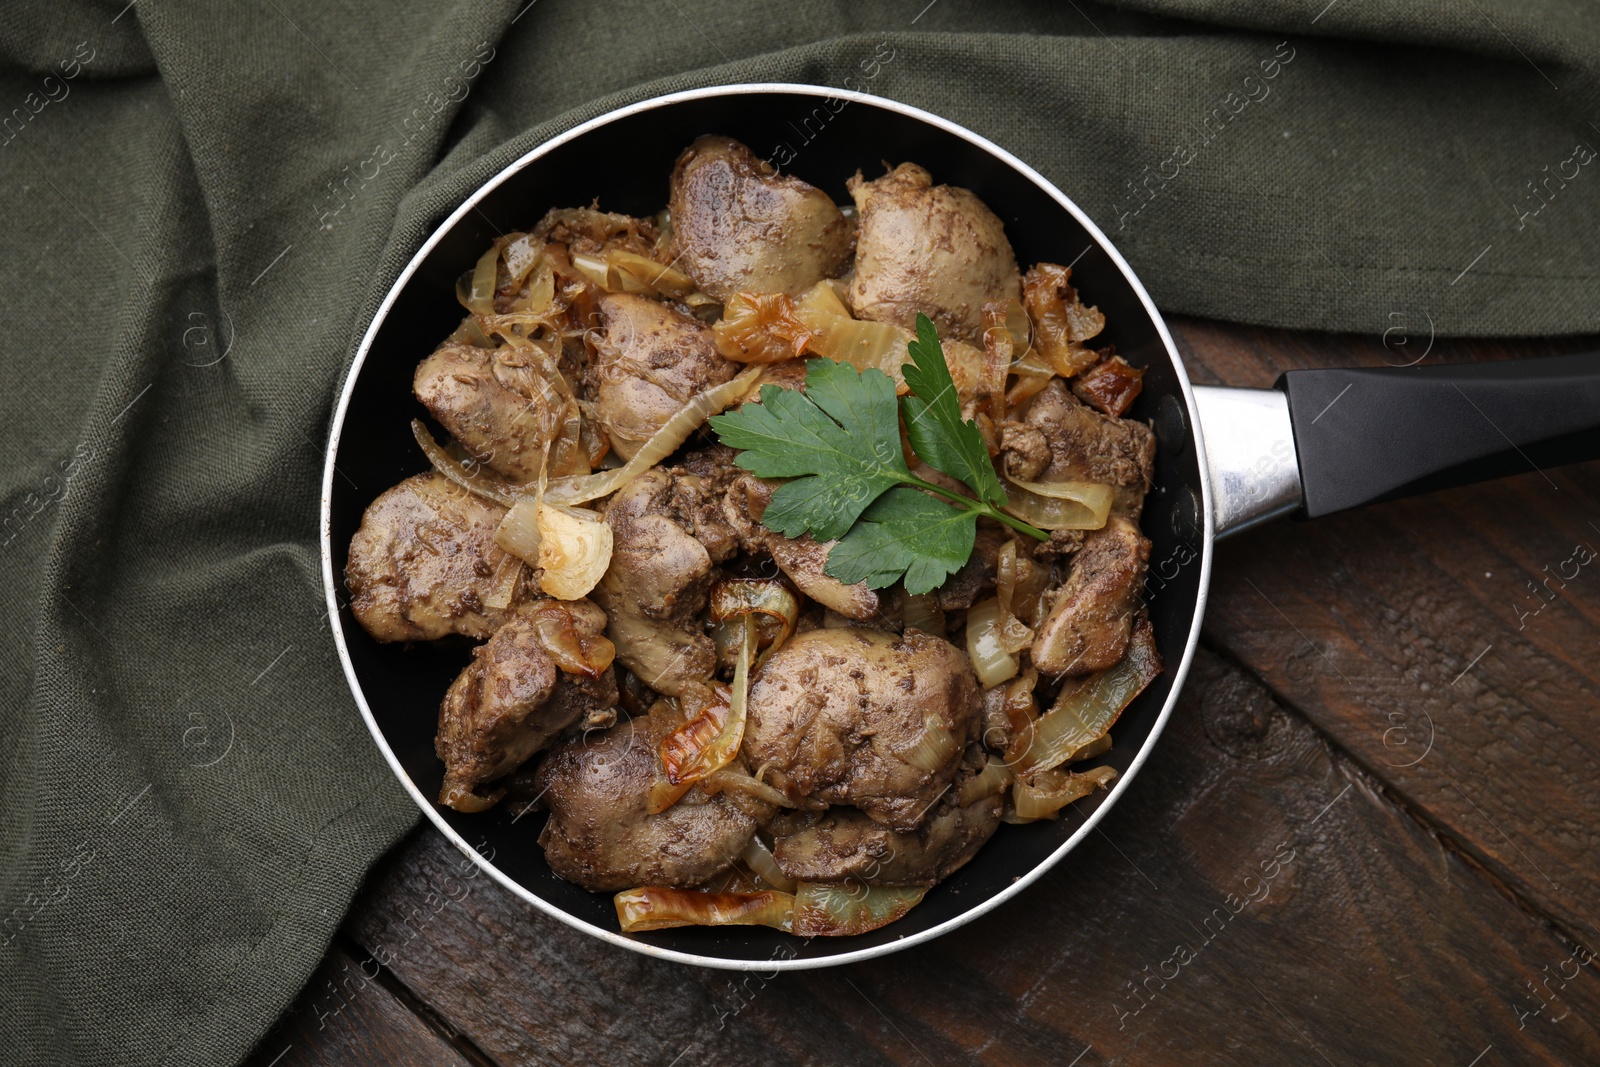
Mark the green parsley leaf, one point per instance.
(839, 441)
(838, 446)
(933, 419)
(905, 532)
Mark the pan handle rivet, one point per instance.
(1172, 425)
(1186, 514)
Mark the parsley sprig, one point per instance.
(838, 444)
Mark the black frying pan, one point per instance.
(1322, 441)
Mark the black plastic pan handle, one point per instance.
(1369, 434)
(1326, 440)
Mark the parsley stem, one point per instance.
(981, 507)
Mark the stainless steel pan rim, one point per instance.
(1179, 670)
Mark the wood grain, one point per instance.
(1399, 627)
(1368, 941)
(345, 1015)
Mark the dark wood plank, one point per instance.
(528, 989)
(1399, 627)
(1369, 940)
(345, 1015)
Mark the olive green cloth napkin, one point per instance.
(205, 202)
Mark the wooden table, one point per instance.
(1378, 718)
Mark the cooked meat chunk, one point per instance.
(487, 407)
(633, 696)
(1000, 725)
(802, 559)
(699, 487)
(790, 374)
(846, 843)
(515, 697)
(1062, 543)
(668, 658)
(976, 577)
(739, 226)
(931, 248)
(487, 725)
(1092, 614)
(1111, 386)
(835, 712)
(424, 564)
(655, 588)
(1084, 446)
(600, 834)
(1026, 450)
(651, 361)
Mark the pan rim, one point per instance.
(330, 586)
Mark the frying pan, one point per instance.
(1319, 442)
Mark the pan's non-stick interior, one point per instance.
(625, 164)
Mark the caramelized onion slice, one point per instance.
(540, 299)
(994, 636)
(658, 279)
(845, 908)
(663, 794)
(522, 255)
(729, 780)
(1005, 576)
(1060, 505)
(1028, 385)
(759, 858)
(574, 550)
(572, 545)
(760, 328)
(597, 272)
(684, 750)
(1032, 581)
(726, 747)
(470, 332)
(664, 717)
(1083, 716)
(1021, 711)
(665, 441)
(738, 598)
(621, 271)
(934, 746)
(572, 649)
(863, 345)
(472, 481)
(823, 299)
(881, 345)
(995, 777)
(710, 740)
(518, 533)
(480, 290)
(1007, 335)
(1098, 747)
(1050, 791)
(1061, 323)
(1032, 365)
(656, 908)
